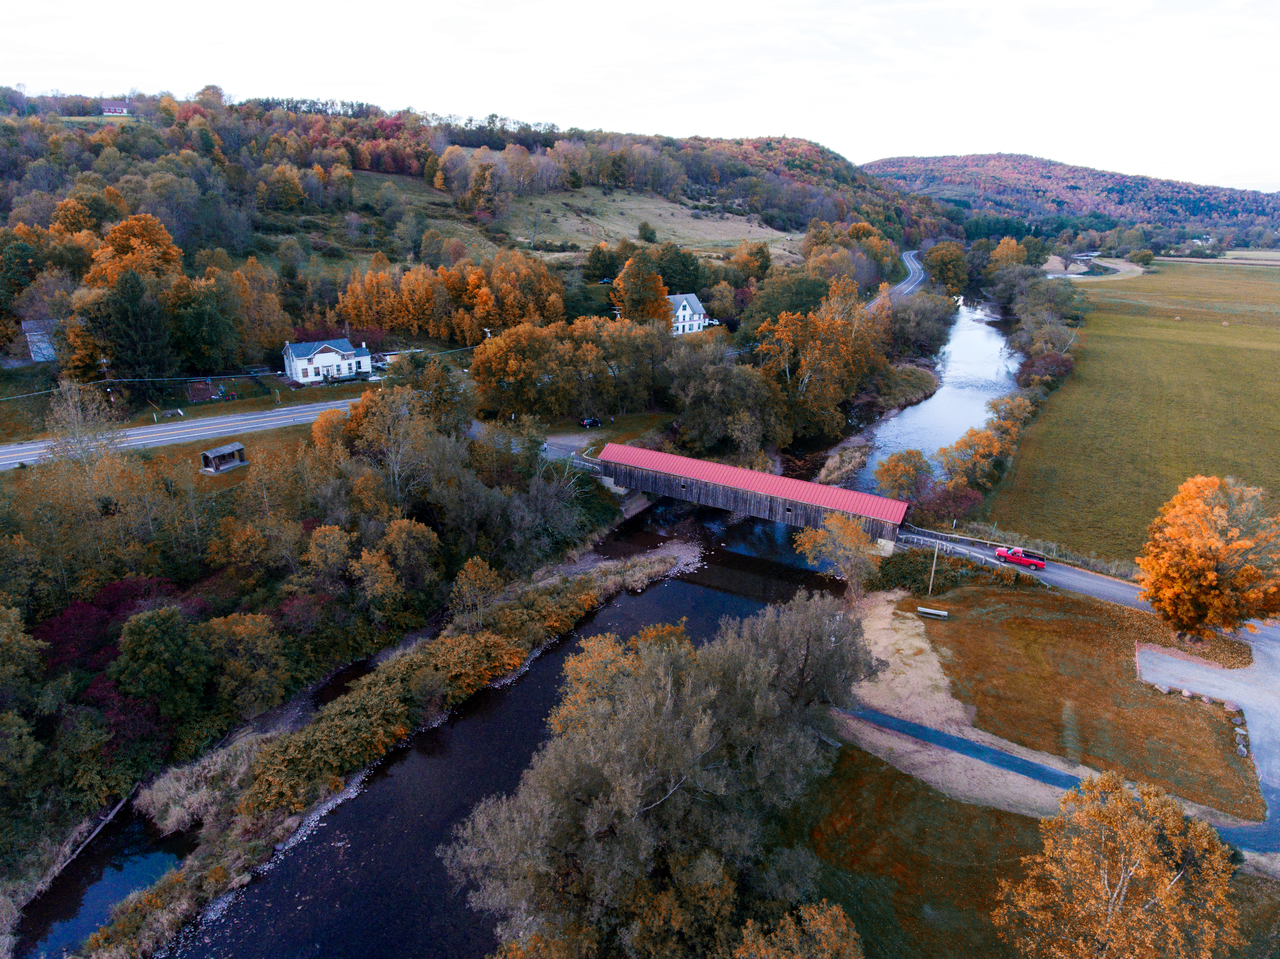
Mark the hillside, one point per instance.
(1018, 185)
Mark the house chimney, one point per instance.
(362, 345)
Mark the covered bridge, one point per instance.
(763, 495)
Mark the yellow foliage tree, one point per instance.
(823, 932)
(141, 244)
(845, 544)
(253, 669)
(904, 475)
(947, 264)
(328, 552)
(474, 588)
(261, 321)
(1121, 875)
(378, 583)
(1212, 559)
(1007, 253)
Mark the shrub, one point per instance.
(909, 569)
(1050, 368)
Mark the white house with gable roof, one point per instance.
(325, 360)
(687, 314)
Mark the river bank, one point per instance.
(233, 848)
(372, 855)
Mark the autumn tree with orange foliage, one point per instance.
(639, 292)
(947, 264)
(1212, 558)
(140, 244)
(904, 475)
(591, 365)
(1121, 875)
(1008, 252)
(822, 360)
(843, 543)
(455, 302)
(823, 932)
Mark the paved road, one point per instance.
(185, 431)
(1256, 689)
(915, 276)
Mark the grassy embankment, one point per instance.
(587, 217)
(1056, 673)
(24, 419)
(918, 872)
(1176, 376)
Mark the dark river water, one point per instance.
(367, 880)
(127, 855)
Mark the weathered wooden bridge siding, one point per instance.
(760, 505)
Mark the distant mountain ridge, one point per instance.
(1015, 184)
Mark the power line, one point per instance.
(195, 379)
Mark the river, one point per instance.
(367, 881)
(975, 366)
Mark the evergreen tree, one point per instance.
(136, 331)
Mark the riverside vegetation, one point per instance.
(167, 609)
(148, 612)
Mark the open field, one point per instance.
(1056, 673)
(1163, 390)
(918, 872)
(1231, 257)
(1123, 271)
(587, 217)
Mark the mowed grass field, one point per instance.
(588, 216)
(918, 872)
(1163, 390)
(1056, 673)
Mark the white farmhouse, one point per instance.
(325, 360)
(115, 108)
(687, 314)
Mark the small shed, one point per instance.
(215, 461)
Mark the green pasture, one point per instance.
(1178, 374)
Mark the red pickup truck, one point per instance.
(1023, 557)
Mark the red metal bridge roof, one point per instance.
(815, 494)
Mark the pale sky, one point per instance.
(1183, 90)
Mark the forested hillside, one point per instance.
(1026, 186)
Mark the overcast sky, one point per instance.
(1184, 90)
